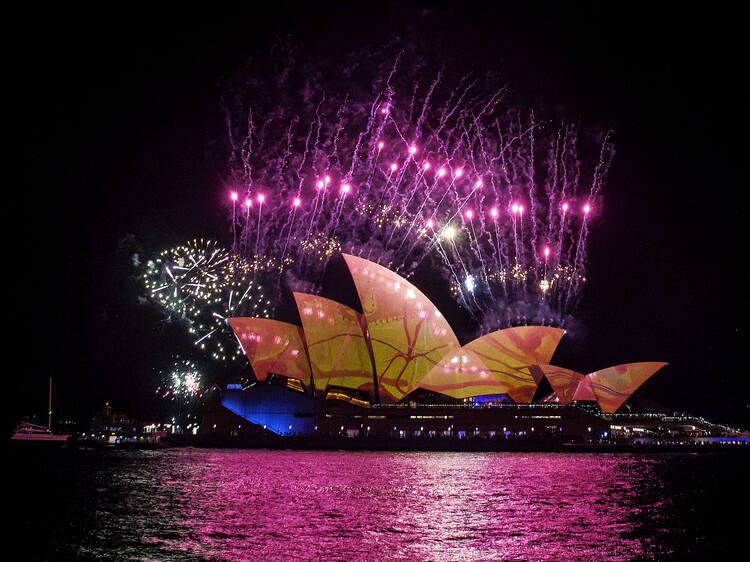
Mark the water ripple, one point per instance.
(265, 505)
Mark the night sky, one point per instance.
(117, 121)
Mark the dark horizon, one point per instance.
(123, 151)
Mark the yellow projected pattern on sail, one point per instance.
(509, 353)
(563, 381)
(614, 385)
(408, 334)
(273, 347)
(335, 344)
(461, 374)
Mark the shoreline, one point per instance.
(405, 445)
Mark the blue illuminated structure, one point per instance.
(491, 399)
(274, 408)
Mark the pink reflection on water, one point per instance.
(203, 504)
(468, 506)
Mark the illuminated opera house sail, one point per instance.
(400, 349)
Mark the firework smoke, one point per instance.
(412, 168)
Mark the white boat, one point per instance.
(32, 432)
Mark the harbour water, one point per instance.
(222, 504)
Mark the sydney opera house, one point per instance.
(398, 370)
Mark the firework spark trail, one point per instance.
(467, 276)
(234, 223)
(335, 222)
(405, 208)
(426, 103)
(568, 138)
(606, 154)
(300, 177)
(463, 202)
(556, 155)
(561, 232)
(417, 216)
(373, 167)
(445, 194)
(392, 168)
(362, 135)
(402, 172)
(246, 150)
(577, 263)
(532, 190)
(320, 185)
(284, 161)
(333, 156)
(260, 213)
(295, 204)
(478, 251)
(318, 128)
(515, 233)
(521, 246)
(448, 221)
(573, 187)
(405, 237)
(444, 255)
(320, 195)
(503, 261)
(605, 158)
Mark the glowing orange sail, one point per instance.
(408, 334)
(584, 390)
(335, 344)
(509, 353)
(461, 374)
(613, 386)
(272, 346)
(563, 381)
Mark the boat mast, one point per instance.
(49, 410)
